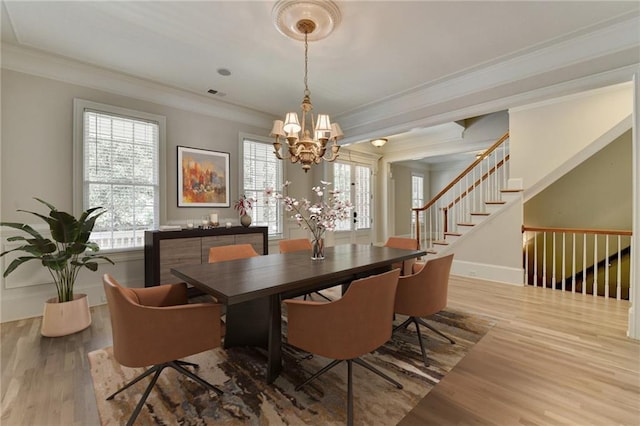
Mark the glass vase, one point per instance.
(317, 249)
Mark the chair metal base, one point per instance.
(418, 321)
(319, 294)
(157, 369)
(350, 362)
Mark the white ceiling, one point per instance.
(382, 52)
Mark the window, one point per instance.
(417, 195)
(117, 157)
(261, 170)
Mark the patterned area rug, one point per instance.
(248, 400)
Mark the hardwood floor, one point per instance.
(552, 358)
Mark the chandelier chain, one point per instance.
(306, 63)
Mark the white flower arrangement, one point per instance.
(318, 217)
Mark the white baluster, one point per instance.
(595, 265)
(584, 263)
(553, 261)
(573, 262)
(526, 258)
(535, 259)
(619, 271)
(544, 259)
(606, 265)
(564, 276)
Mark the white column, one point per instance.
(634, 296)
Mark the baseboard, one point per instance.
(501, 274)
(23, 306)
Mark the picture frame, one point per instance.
(203, 178)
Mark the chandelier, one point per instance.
(306, 140)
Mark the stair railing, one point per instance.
(468, 193)
(587, 261)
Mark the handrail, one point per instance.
(477, 182)
(463, 174)
(579, 231)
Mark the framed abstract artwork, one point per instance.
(203, 178)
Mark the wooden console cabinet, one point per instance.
(164, 250)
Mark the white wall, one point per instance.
(493, 250)
(37, 117)
(545, 136)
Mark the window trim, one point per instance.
(79, 106)
(257, 138)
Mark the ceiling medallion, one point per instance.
(324, 14)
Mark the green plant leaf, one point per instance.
(94, 257)
(57, 261)
(92, 266)
(23, 227)
(64, 227)
(17, 262)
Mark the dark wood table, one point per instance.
(253, 288)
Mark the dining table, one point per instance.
(253, 288)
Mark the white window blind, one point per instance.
(417, 195)
(261, 170)
(342, 182)
(120, 168)
(363, 197)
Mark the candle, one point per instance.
(213, 218)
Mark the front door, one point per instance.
(354, 180)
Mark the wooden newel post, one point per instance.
(417, 212)
(445, 226)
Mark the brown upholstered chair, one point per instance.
(298, 244)
(422, 294)
(156, 326)
(403, 243)
(347, 328)
(231, 252)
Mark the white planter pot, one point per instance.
(60, 319)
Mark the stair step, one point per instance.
(510, 194)
(452, 236)
(494, 206)
(466, 224)
(478, 217)
(441, 243)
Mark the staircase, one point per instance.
(478, 192)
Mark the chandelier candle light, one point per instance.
(317, 217)
(306, 141)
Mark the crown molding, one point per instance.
(590, 51)
(41, 64)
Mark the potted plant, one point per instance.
(64, 255)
